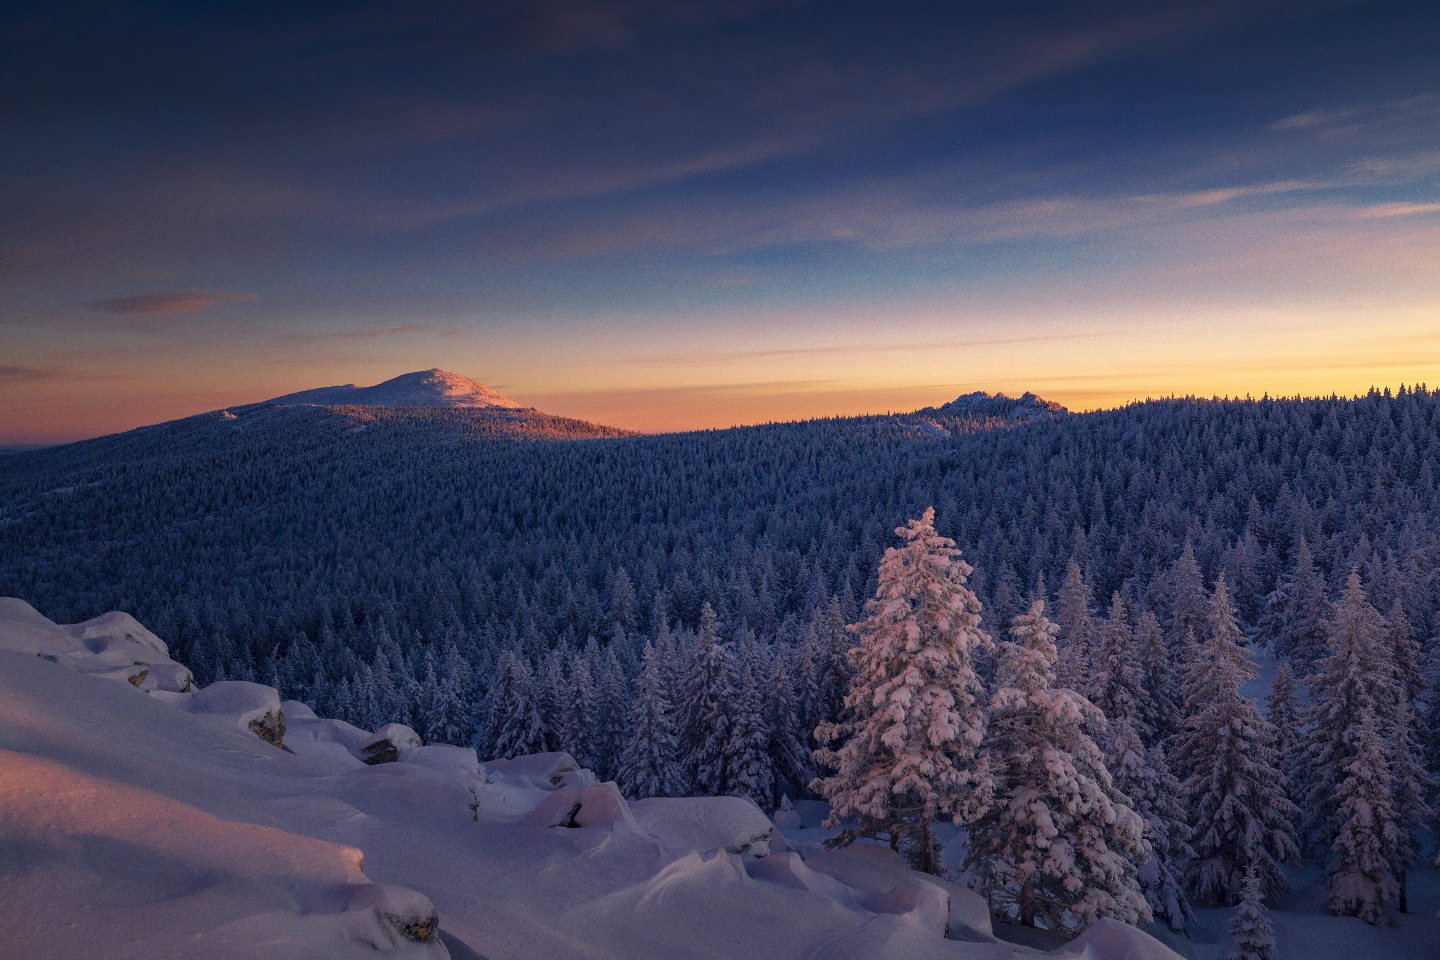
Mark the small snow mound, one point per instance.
(1113, 940)
(926, 902)
(113, 645)
(732, 824)
(295, 710)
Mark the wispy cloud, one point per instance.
(166, 304)
(1396, 210)
(30, 375)
(740, 356)
(386, 332)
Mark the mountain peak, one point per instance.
(423, 388)
(1028, 407)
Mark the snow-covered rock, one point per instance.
(388, 743)
(732, 824)
(546, 771)
(251, 706)
(113, 645)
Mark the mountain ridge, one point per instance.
(423, 388)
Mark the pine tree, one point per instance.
(1251, 930)
(1225, 757)
(708, 700)
(649, 766)
(1161, 711)
(1060, 840)
(581, 714)
(513, 726)
(907, 752)
(1117, 682)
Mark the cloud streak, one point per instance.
(166, 304)
(742, 356)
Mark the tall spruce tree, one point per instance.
(513, 726)
(708, 703)
(1225, 758)
(748, 769)
(1295, 614)
(649, 764)
(907, 751)
(1077, 629)
(1060, 842)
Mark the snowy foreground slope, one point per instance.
(143, 818)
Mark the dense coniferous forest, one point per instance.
(671, 609)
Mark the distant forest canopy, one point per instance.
(236, 534)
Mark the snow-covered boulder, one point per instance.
(386, 917)
(113, 645)
(295, 710)
(599, 806)
(252, 706)
(458, 762)
(732, 824)
(332, 740)
(387, 744)
(547, 771)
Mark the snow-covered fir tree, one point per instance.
(613, 694)
(1282, 710)
(580, 715)
(1117, 680)
(907, 751)
(1360, 873)
(1251, 929)
(513, 726)
(1182, 597)
(1295, 614)
(708, 701)
(1060, 843)
(789, 755)
(1076, 621)
(1225, 758)
(1142, 775)
(748, 769)
(649, 764)
(1161, 707)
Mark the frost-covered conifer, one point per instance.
(1225, 757)
(789, 755)
(613, 694)
(1161, 709)
(1117, 681)
(581, 715)
(649, 765)
(708, 699)
(1076, 639)
(748, 769)
(1251, 929)
(513, 726)
(1282, 710)
(1185, 604)
(1142, 775)
(553, 696)
(1295, 614)
(1360, 877)
(1060, 843)
(907, 752)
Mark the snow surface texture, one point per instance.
(159, 825)
(424, 388)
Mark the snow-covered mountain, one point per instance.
(424, 388)
(1027, 407)
(142, 818)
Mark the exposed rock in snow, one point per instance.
(927, 428)
(424, 388)
(731, 824)
(386, 745)
(251, 706)
(1028, 407)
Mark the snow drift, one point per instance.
(150, 820)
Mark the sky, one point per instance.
(669, 216)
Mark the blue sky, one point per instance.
(667, 216)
